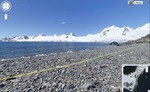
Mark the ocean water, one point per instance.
(24, 49)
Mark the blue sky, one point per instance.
(82, 17)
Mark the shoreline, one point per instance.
(39, 55)
(103, 74)
(33, 49)
(54, 53)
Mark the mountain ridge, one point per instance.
(108, 34)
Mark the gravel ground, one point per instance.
(100, 75)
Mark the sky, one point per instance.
(81, 17)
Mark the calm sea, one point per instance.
(20, 49)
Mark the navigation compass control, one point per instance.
(6, 7)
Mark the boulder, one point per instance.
(114, 43)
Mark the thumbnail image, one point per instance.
(136, 78)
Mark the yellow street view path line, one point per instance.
(63, 66)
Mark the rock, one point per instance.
(88, 86)
(145, 39)
(2, 85)
(71, 86)
(103, 66)
(114, 43)
(29, 90)
(54, 84)
(42, 87)
(115, 89)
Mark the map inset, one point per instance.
(136, 78)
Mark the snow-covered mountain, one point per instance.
(108, 34)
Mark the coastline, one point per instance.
(103, 74)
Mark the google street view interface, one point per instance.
(74, 46)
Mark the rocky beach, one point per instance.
(95, 75)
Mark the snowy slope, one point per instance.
(108, 34)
